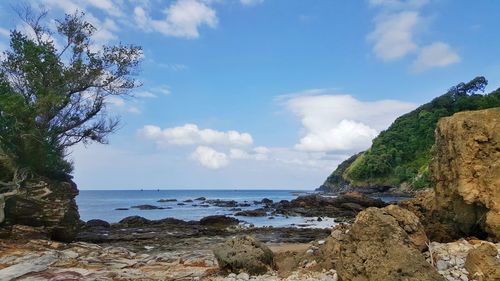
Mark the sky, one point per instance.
(258, 94)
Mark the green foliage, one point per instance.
(402, 152)
(337, 176)
(52, 99)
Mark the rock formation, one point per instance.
(466, 171)
(483, 264)
(244, 254)
(47, 205)
(382, 244)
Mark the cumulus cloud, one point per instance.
(437, 54)
(210, 158)
(395, 32)
(190, 134)
(333, 123)
(183, 18)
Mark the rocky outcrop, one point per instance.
(382, 244)
(343, 207)
(483, 263)
(424, 206)
(244, 254)
(48, 205)
(466, 171)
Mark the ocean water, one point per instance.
(102, 204)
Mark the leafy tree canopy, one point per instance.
(53, 98)
(402, 152)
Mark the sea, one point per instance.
(103, 204)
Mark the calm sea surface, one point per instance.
(101, 204)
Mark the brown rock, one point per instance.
(382, 244)
(483, 264)
(244, 254)
(45, 203)
(466, 171)
(423, 205)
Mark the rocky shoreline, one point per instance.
(450, 232)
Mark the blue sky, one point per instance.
(270, 93)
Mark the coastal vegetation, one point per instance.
(401, 154)
(53, 97)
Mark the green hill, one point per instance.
(401, 154)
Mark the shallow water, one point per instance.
(101, 204)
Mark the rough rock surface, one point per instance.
(483, 263)
(46, 204)
(342, 207)
(244, 254)
(466, 171)
(46, 260)
(424, 206)
(450, 258)
(382, 244)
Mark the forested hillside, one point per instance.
(401, 153)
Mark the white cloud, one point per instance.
(190, 134)
(399, 4)
(120, 105)
(183, 18)
(210, 158)
(259, 153)
(251, 2)
(437, 54)
(393, 35)
(163, 90)
(173, 66)
(107, 6)
(4, 32)
(341, 122)
(145, 94)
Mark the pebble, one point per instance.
(442, 265)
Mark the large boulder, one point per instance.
(244, 254)
(466, 171)
(381, 244)
(46, 204)
(483, 263)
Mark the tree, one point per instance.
(52, 99)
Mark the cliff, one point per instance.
(399, 156)
(466, 171)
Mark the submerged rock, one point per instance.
(252, 213)
(97, 223)
(244, 254)
(167, 200)
(147, 207)
(219, 220)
